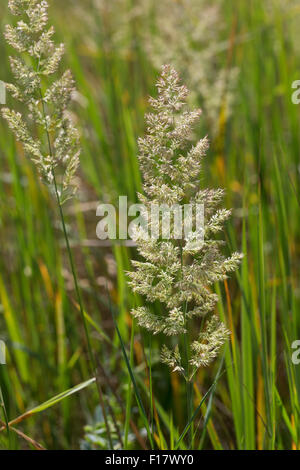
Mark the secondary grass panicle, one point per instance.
(189, 34)
(57, 157)
(178, 273)
(185, 33)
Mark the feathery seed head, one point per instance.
(179, 274)
(58, 159)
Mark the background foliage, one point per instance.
(254, 155)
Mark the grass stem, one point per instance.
(76, 286)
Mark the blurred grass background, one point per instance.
(254, 155)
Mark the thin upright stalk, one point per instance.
(129, 392)
(151, 384)
(2, 403)
(188, 379)
(188, 384)
(77, 291)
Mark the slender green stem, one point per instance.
(77, 291)
(129, 391)
(188, 382)
(2, 404)
(188, 379)
(150, 384)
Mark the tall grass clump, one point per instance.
(179, 274)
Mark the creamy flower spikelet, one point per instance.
(177, 272)
(58, 156)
